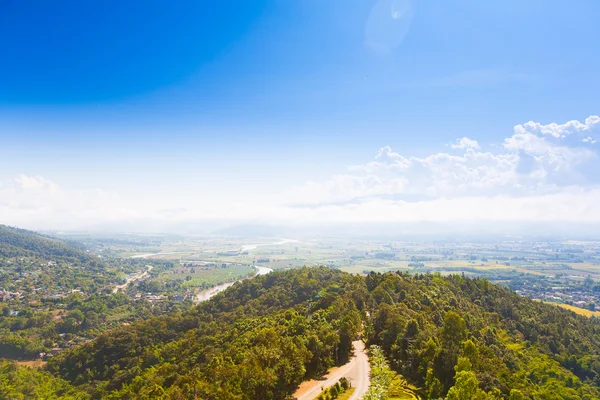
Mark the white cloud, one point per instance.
(439, 174)
(539, 146)
(465, 143)
(36, 201)
(558, 130)
(538, 174)
(531, 163)
(554, 157)
(386, 159)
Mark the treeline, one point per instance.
(16, 242)
(258, 340)
(31, 261)
(19, 383)
(452, 337)
(55, 295)
(80, 318)
(509, 345)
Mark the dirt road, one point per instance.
(356, 370)
(132, 279)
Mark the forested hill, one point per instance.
(449, 336)
(53, 295)
(16, 242)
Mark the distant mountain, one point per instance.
(449, 336)
(15, 242)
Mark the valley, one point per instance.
(278, 319)
(557, 271)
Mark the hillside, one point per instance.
(53, 295)
(15, 242)
(30, 262)
(261, 338)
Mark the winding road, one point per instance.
(356, 370)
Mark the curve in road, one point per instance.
(356, 370)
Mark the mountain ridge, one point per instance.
(425, 324)
(261, 338)
(20, 242)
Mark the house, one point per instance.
(55, 350)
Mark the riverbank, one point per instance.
(208, 293)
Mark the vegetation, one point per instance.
(16, 242)
(54, 295)
(259, 339)
(435, 330)
(204, 278)
(25, 383)
(580, 311)
(381, 375)
(346, 394)
(385, 383)
(341, 390)
(452, 337)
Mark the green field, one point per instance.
(514, 264)
(210, 277)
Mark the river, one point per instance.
(207, 294)
(159, 254)
(254, 246)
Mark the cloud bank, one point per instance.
(540, 173)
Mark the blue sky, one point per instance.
(155, 103)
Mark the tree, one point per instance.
(76, 315)
(433, 385)
(466, 385)
(516, 395)
(455, 329)
(344, 383)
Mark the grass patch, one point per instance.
(121, 313)
(341, 390)
(346, 395)
(210, 277)
(404, 396)
(400, 389)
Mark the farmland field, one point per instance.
(580, 311)
(552, 271)
(203, 277)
